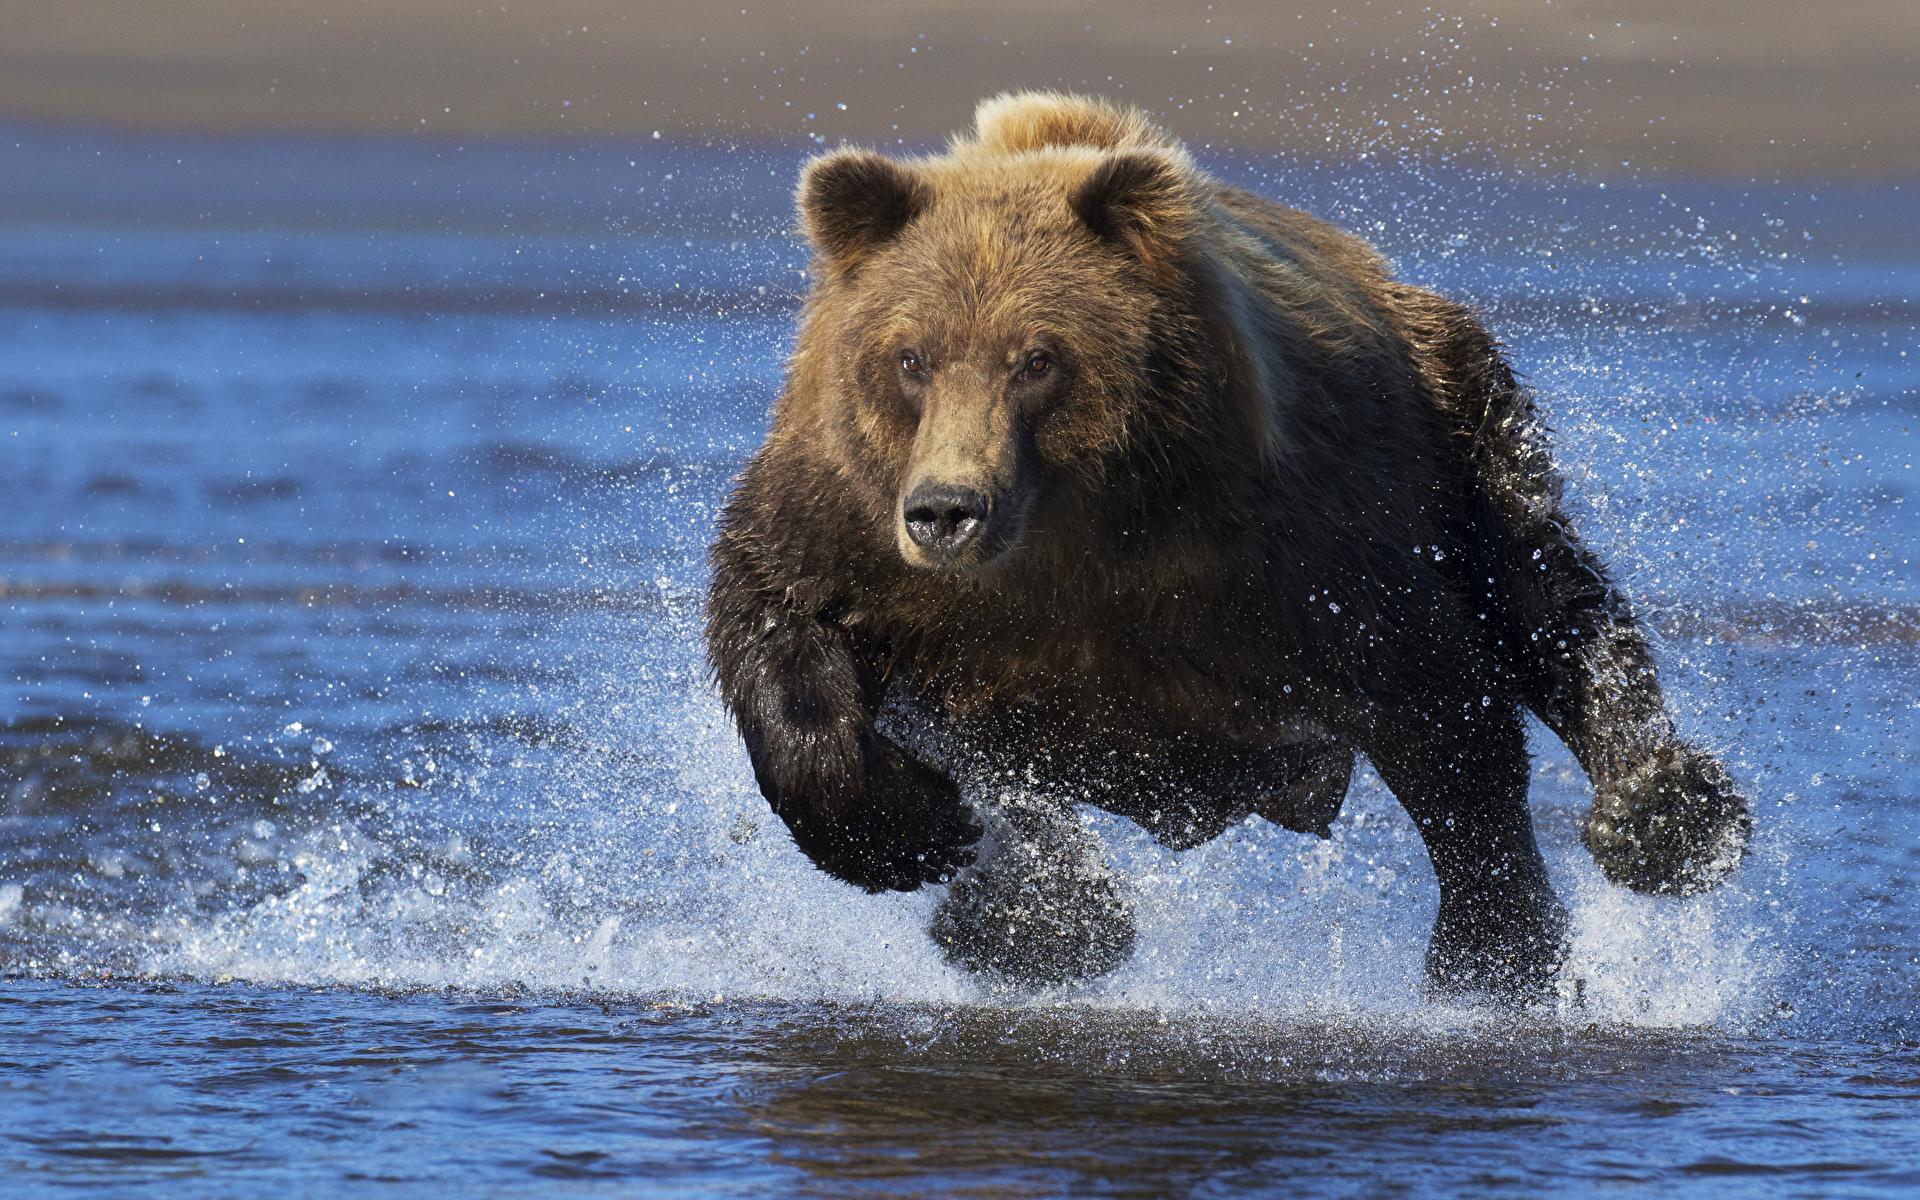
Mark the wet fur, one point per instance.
(1290, 509)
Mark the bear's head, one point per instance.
(992, 331)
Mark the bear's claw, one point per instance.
(1675, 826)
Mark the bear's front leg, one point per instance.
(859, 806)
(1460, 771)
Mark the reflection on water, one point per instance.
(511, 1093)
(365, 812)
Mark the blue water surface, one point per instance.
(369, 820)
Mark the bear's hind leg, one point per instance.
(1463, 779)
(1666, 817)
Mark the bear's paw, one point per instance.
(909, 828)
(1043, 910)
(1675, 826)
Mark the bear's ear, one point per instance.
(853, 201)
(1141, 201)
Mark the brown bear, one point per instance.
(1172, 499)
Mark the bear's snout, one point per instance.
(945, 521)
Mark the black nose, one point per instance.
(942, 519)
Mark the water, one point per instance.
(367, 814)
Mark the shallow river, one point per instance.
(366, 814)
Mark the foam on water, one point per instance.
(671, 879)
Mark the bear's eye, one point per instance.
(910, 362)
(1039, 364)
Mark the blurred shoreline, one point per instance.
(1761, 89)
